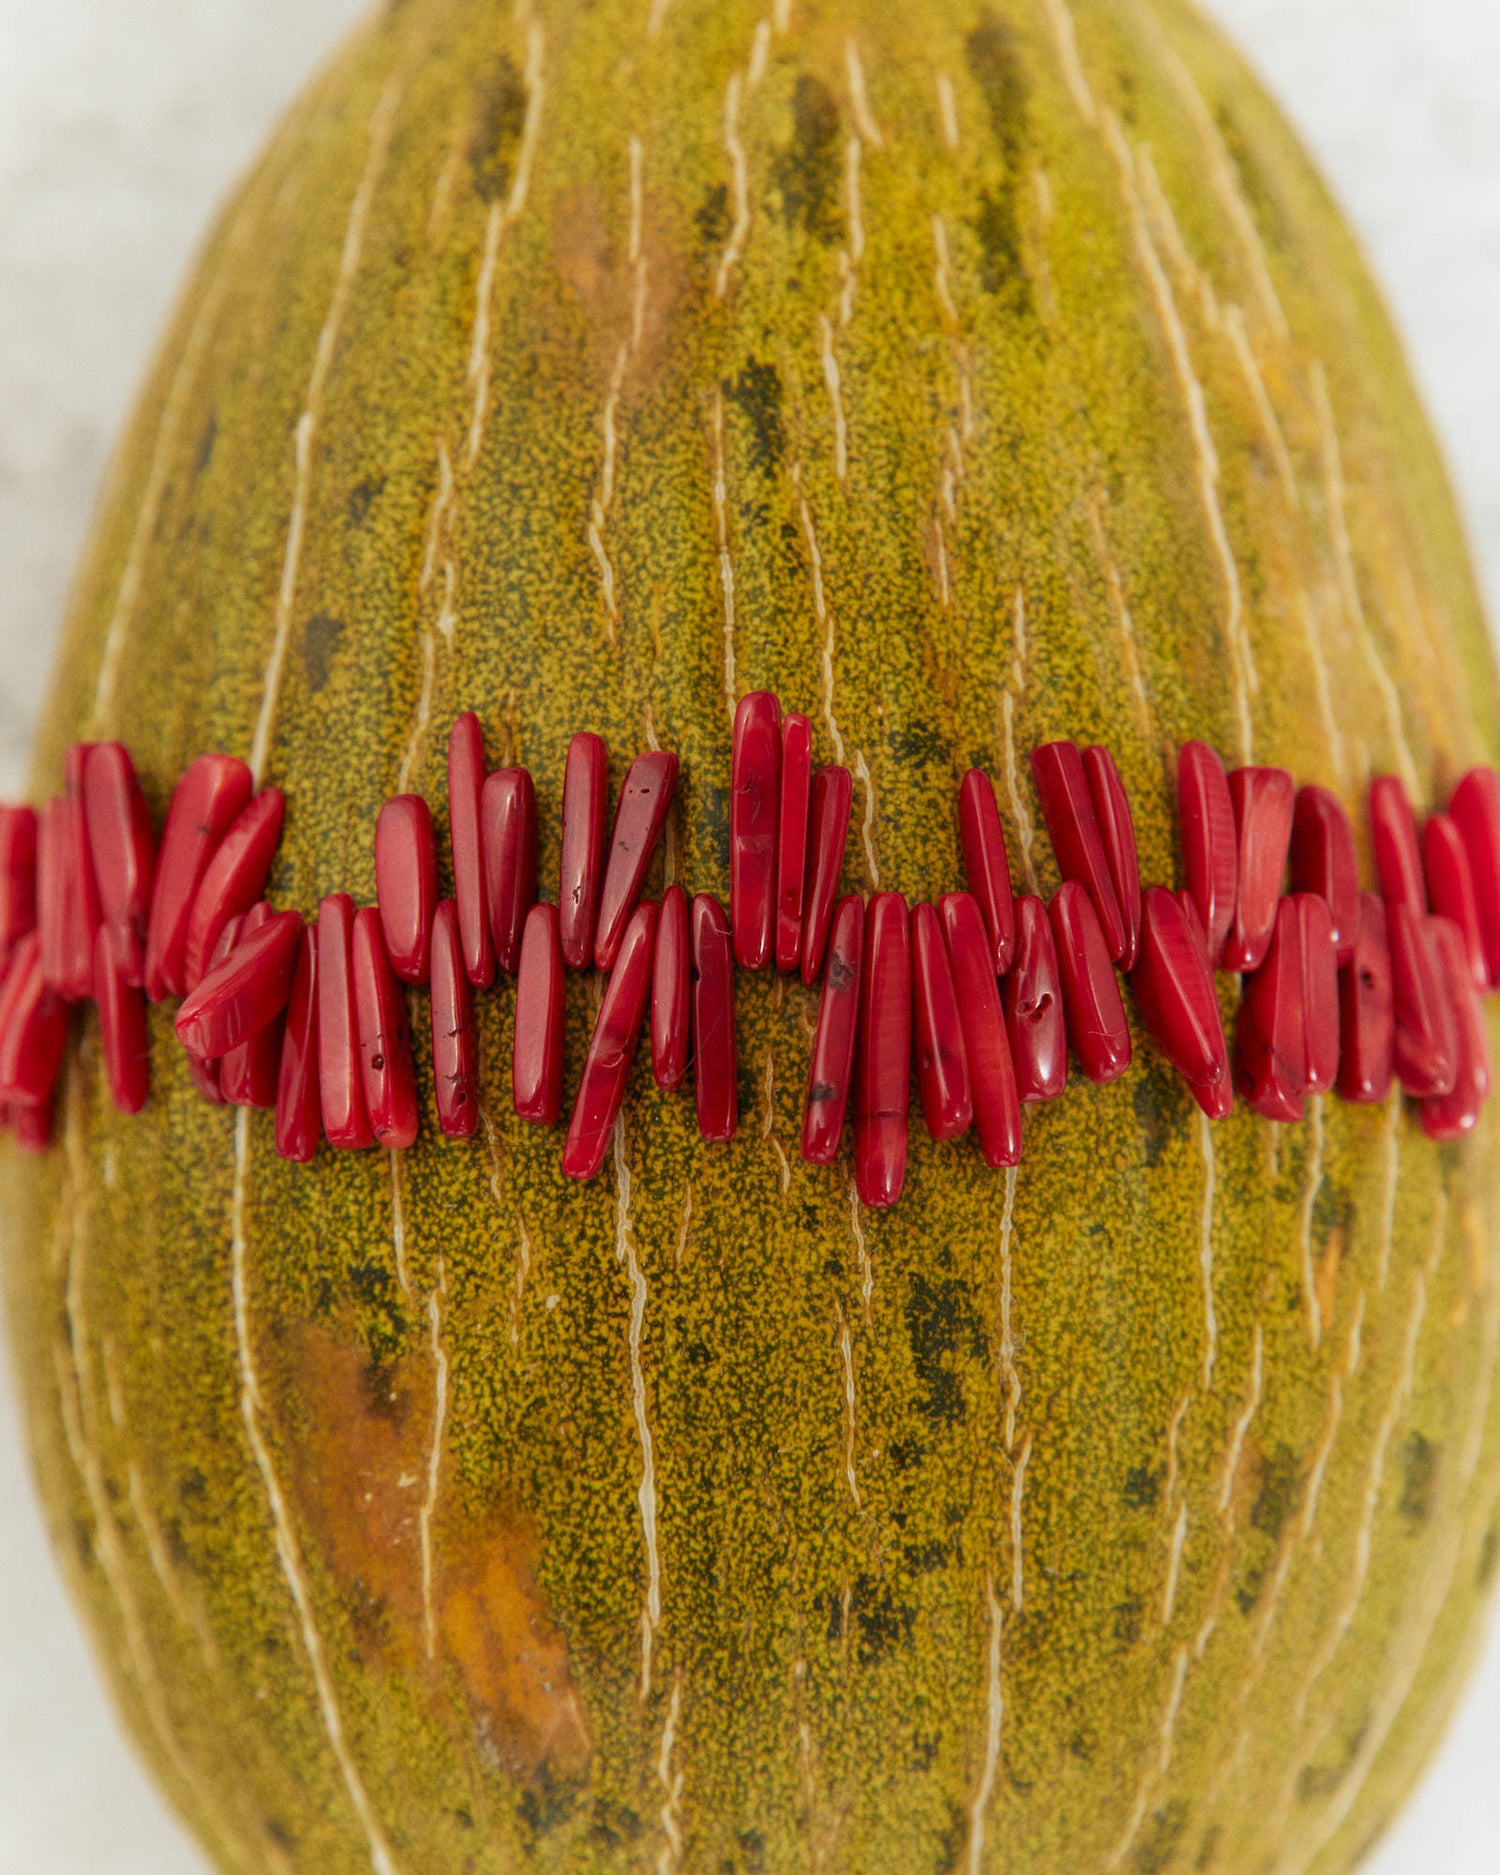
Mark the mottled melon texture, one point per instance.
(971, 373)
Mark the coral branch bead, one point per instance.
(754, 811)
(617, 1028)
(671, 991)
(388, 1075)
(1451, 1115)
(639, 818)
(248, 1073)
(406, 884)
(997, 1104)
(299, 1106)
(122, 1028)
(466, 775)
(1263, 800)
(244, 992)
(1174, 991)
(123, 848)
(791, 838)
(346, 1119)
(1323, 861)
(882, 1069)
(715, 1050)
(1117, 831)
(585, 816)
(234, 878)
(828, 834)
(1367, 1024)
(1425, 1045)
(1205, 824)
(830, 1073)
(1094, 1011)
(1475, 810)
(536, 1067)
(1033, 1003)
(33, 1029)
(455, 1043)
(1271, 1038)
(986, 866)
(18, 830)
(508, 829)
(1450, 889)
(1062, 786)
(205, 804)
(1398, 855)
(942, 1061)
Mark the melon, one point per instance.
(971, 374)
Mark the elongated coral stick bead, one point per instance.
(33, 1029)
(1095, 1013)
(639, 818)
(406, 883)
(1451, 1115)
(239, 996)
(234, 878)
(1323, 861)
(1426, 1045)
(715, 1046)
(455, 1044)
(346, 1119)
(828, 834)
(1263, 800)
(299, 1106)
(830, 1073)
(585, 817)
(18, 829)
(1174, 991)
(1320, 992)
(1068, 808)
(122, 1028)
(1367, 1024)
(791, 838)
(208, 1076)
(1270, 1044)
(1032, 999)
(942, 1061)
(986, 866)
(1398, 855)
(754, 810)
(508, 825)
(1117, 832)
(466, 845)
(248, 1073)
(997, 1105)
(1450, 888)
(671, 990)
(536, 1063)
(204, 804)
(53, 865)
(83, 913)
(882, 1068)
(388, 1076)
(617, 1029)
(1475, 810)
(123, 848)
(1205, 817)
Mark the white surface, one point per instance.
(120, 127)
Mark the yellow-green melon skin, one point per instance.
(971, 376)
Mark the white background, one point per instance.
(121, 124)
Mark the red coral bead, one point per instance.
(248, 1073)
(671, 990)
(1426, 1045)
(33, 1029)
(791, 838)
(639, 818)
(406, 883)
(1367, 1022)
(123, 849)
(1398, 856)
(208, 1076)
(84, 915)
(508, 824)
(832, 799)
(234, 878)
(1323, 861)
(455, 1044)
(985, 864)
(346, 1119)
(612, 1047)
(1068, 808)
(205, 803)
(52, 887)
(388, 1076)
(882, 1068)
(715, 1046)
(31, 1123)
(18, 831)
(1094, 1011)
(299, 1106)
(1205, 816)
(1263, 799)
(1451, 1115)
(1320, 992)
(585, 813)
(1174, 991)
(536, 1062)
(942, 1062)
(997, 1105)
(830, 1073)
(1270, 1044)
(1117, 831)
(240, 995)
(122, 1028)
(754, 810)
(1450, 888)
(466, 844)
(1475, 809)
(1032, 998)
